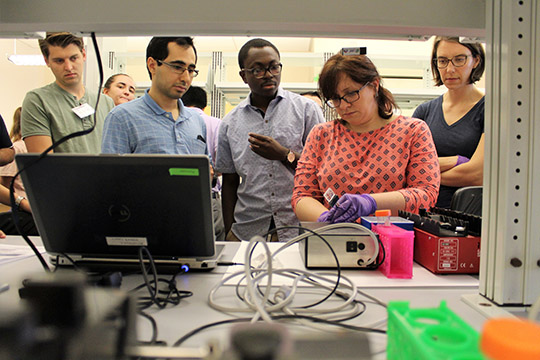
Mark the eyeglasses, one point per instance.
(457, 61)
(260, 71)
(179, 69)
(349, 98)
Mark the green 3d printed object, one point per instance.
(428, 334)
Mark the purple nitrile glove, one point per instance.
(352, 206)
(327, 216)
(461, 160)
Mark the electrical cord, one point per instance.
(373, 299)
(383, 257)
(359, 302)
(376, 240)
(75, 266)
(262, 304)
(172, 294)
(229, 263)
(153, 340)
(299, 238)
(190, 334)
(14, 208)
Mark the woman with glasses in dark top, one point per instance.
(456, 118)
(370, 157)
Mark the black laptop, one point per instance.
(100, 209)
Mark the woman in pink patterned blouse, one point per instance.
(370, 157)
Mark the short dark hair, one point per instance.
(312, 93)
(361, 70)
(253, 43)
(110, 80)
(477, 50)
(62, 39)
(195, 96)
(158, 49)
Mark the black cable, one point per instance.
(16, 221)
(308, 279)
(338, 267)
(151, 291)
(14, 208)
(339, 294)
(330, 322)
(153, 323)
(208, 326)
(381, 246)
(70, 260)
(173, 295)
(228, 263)
(279, 317)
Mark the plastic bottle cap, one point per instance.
(510, 339)
(383, 213)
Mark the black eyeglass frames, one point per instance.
(180, 69)
(259, 71)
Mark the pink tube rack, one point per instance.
(399, 250)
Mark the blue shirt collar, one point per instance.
(158, 110)
(247, 101)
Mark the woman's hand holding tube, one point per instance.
(349, 208)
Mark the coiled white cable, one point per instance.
(263, 299)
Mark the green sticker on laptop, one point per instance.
(184, 172)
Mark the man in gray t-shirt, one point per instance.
(65, 106)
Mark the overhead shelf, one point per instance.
(405, 98)
(407, 77)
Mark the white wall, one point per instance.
(17, 80)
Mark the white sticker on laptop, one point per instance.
(126, 241)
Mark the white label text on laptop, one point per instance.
(126, 241)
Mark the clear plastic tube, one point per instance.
(383, 217)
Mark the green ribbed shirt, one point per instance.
(48, 111)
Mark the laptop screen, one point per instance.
(110, 205)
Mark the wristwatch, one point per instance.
(18, 201)
(291, 157)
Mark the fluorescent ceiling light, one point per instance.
(27, 59)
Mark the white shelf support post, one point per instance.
(510, 258)
(216, 75)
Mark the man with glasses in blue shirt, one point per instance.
(158, 122)
(260, 142)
